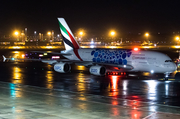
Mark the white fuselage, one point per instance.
(146, 61)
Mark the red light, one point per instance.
(135, 96)
(114, 82)
(136, 49)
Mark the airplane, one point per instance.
(100, 61)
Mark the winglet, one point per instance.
(4, 58)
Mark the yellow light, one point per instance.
(81, 33)
(16, 33)
(49, 47)
(147, 34)
(15, 52)
(45, 53)
(112, 33)
(49, 33)
(81, 67)
(23, 55)
(15, 47)
(177, 38)
(177, 46)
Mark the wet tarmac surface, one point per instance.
(143, 94)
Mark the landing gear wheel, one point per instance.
(165, 79)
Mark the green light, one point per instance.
(12, 58)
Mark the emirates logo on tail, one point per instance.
(68, 38)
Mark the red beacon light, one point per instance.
(136, 49)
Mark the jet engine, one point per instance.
(97, 70)
(62, 67)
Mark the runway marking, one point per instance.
(149, 115)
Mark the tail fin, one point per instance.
(68, 38)
(4, 58)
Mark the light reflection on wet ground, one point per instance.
(143, 92)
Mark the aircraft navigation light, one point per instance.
(136, 49)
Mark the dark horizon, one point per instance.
(96, 17)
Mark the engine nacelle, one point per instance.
(62, 67)
(97, 70)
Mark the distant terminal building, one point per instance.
(55, 43)
(19, 43)
(90, 43)
(5, 43)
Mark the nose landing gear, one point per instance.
(166, 77)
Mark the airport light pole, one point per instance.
(112, 34)
(81, 33)
(49, 34)
(34, 35)
(177, 39)
(16, 33)
(147, 35)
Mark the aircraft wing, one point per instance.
(4, 59)
(85, 63)
(114, 67)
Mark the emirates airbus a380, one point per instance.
(99, 61)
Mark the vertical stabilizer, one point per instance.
(68, 38)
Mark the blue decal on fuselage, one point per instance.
(93, 70)
(111, 56)
(57, 68)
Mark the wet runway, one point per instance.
(34, 87)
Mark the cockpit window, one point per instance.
(168, 61)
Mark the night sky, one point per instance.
(95, 16)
